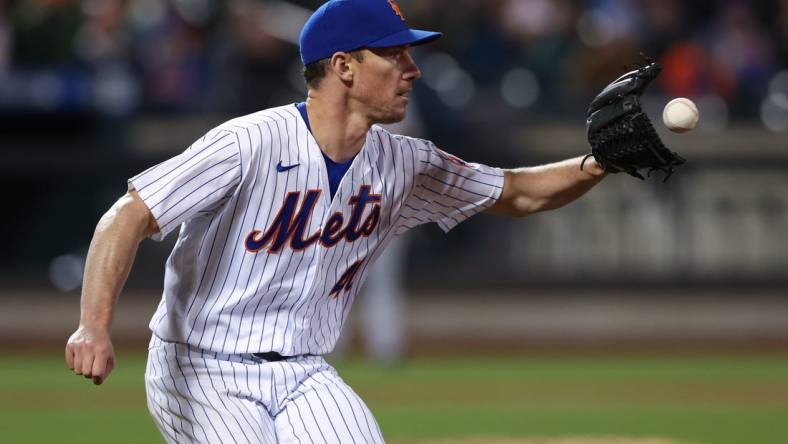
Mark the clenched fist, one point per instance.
(89, 353)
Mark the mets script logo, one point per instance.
(396, 9)
(290, 224)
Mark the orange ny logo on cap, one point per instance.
(396, 9)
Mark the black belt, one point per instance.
(271, 356)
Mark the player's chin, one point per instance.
(392, 117)
(396, 113)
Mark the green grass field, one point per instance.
(736, 399)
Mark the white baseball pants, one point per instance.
(200, 396)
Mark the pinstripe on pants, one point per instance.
(300, 400)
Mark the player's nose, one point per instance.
(411, 71)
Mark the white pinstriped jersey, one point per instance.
(266, 260)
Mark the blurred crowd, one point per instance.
(85, 84)
(120, 57)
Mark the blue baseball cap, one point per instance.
(347, 25)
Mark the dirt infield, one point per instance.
(456, 323)
(560, 440)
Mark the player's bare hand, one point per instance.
(89, 353)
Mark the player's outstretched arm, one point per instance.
(532, 189)
(89, 350)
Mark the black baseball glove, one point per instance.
(620, 133)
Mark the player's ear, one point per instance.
(339, 64)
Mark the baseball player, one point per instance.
(280, 215)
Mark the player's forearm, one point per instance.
(109, 261)
(546, 187)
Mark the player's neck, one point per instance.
(339, 132)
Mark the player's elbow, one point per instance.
(129, 214)
(515, 200)
(526, 205)
(517, 206)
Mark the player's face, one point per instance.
(383, 81)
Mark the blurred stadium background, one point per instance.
(93, 91)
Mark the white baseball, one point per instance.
(680, 115)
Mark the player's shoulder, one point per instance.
(266, 117)
(400, 141)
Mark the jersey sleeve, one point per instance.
(196, 181)
(449, 190)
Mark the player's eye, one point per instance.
(395, 55)
(398, 52)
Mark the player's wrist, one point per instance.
(97, 325)
(594, 168)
